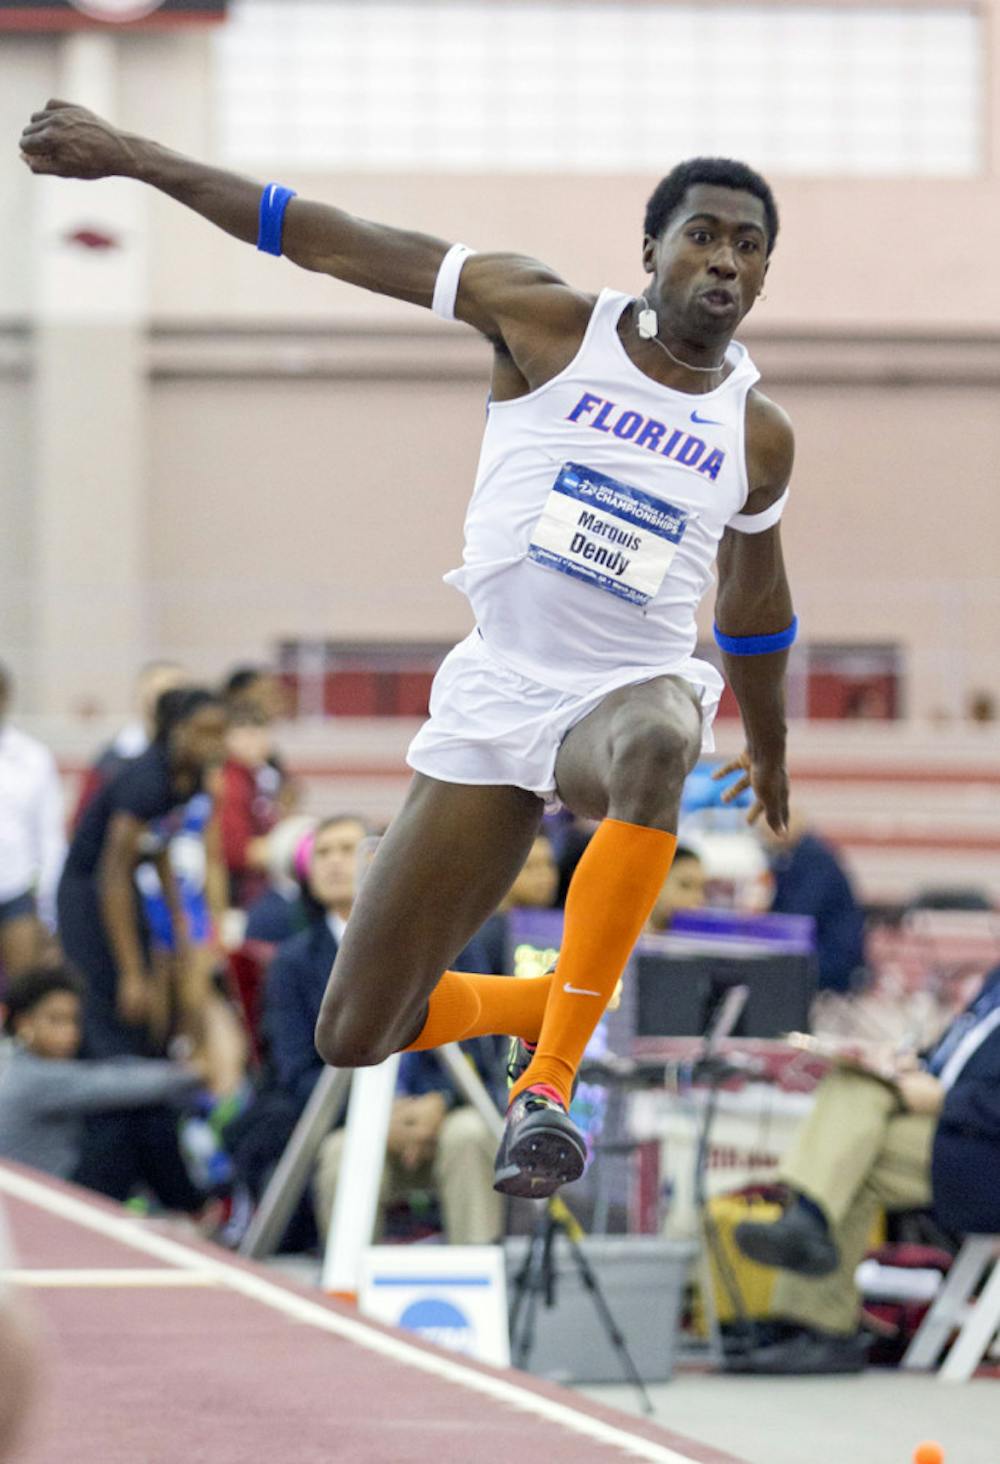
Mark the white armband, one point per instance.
(446, 284)
(756, 523)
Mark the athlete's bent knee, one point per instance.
(651, 757)
(346, 1038)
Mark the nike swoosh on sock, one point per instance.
(578, 990)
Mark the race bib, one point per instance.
(606, 533)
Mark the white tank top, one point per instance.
(597, 512)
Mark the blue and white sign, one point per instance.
(452, 1295)
(607, 533)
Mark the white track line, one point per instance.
(125, 1277)
(448, 1368)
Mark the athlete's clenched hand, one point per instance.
(768, 778)
(71, 142)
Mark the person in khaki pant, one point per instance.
(866, 1147)
(861, 1153)
(448, 1151)
(925, 1132)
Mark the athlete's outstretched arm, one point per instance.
(754, 599)
(496, 294)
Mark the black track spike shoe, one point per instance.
(541, 1148)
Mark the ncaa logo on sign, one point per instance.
(116, 10)
(441, 1322)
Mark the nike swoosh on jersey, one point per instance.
(578, 990)
(705, 421)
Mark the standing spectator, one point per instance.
(250, 800)
(110, 1126)
(258, 686)
(683, 889)
(810, 880)
(262, 690)
(184, 974)
(153, 680)
(100, 917)
(32, 841)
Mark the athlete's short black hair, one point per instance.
(669, 193)
(26, 991)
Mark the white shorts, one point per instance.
(489, 724)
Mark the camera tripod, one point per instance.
(536, 1279)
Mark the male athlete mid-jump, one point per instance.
(626, 449)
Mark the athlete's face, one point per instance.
(708, 265)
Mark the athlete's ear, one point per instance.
(649, 253)
(767, 266)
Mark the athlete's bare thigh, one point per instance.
(628, 758)
(448, 859)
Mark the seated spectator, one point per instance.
(535, 888)
(279, 913)
(153, 680)
(537, 880)
(101, 922)
(297, 977)
(110, 1126)
(437, 1144)
(683, 889)
(570, 836)
(930, 1137)
(810, 880)
(455, 1144)
(293, 991)
(32, 842)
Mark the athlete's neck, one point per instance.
(693, 367)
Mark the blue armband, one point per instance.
(757, 645)
(273, 202)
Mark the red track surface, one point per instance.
(233, 1366)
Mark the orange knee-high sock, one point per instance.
(465, 1005)
(610, 899)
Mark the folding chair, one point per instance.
(978, 1321)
